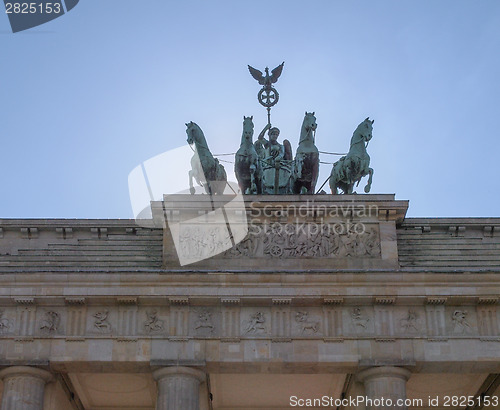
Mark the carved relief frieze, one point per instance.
(307, 325)
(359, 320)
(50, 325)
(101, 322)
(204, 323)
(153, 324)
(231, 320)
(410, 323)
(255, 324)
(5, 324)
(460, 322)
(202, 241)
(324, 240)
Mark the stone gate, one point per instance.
(323, 301)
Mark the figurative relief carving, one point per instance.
(360, 244)
(410, 322)
(4, 323)
(203, 241)
(153, 323)
(101, 323)
(308, 240)
(51, 323)
(358, 319)
(246, 248)
(204, 322)
(255, 325)
(305, 323)
(461, 326)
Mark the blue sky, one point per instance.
(89, 96)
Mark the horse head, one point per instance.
(365, 129)
(194, 133)
(308, 127)
(247, 129)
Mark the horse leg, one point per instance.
(258, 180)
(246, 186)
(314, 178)
(299, 162)
(252, 189)
(369, 184)
(297, 184)
(333, 184)
(208, 187)
(191, 187)
(307, 188)
(221, 178)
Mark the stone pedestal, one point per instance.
(385, 386)
(178, 388)
(23, 388)
(280, 232)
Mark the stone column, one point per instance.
(178, 388)
(383, 384)
(23, 387)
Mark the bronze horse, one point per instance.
(356, 164)
(306, 167)
(247, 163)
(205, 169)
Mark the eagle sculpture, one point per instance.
(266, 80)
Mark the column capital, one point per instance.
(384, 371)
(179, 371)
(26, 371)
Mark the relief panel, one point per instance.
(255, 322)
(306, 240)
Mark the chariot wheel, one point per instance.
(275, 251)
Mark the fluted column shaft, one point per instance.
(178, 388)
(23, 388)
(385, 386)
